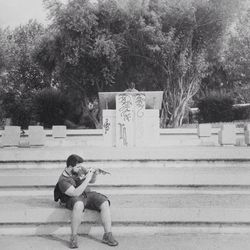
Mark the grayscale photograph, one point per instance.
(125, 124)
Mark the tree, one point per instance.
(20, 76)
(84, 54)
(236, 57)
(169, 45)
(171, 39)
(218, 78)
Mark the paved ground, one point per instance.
(152, 242)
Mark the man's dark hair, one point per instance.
(73, 160)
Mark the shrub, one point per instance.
(22, 114)
(52, 107)
(216, 109)
(17, 107)
(241, 112)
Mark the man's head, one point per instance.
(74, 162)
(132, 85)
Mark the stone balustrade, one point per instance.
(204, 135)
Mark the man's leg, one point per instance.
(106, 222)
(75, 222)
(106, 216)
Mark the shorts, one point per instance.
(91, 200)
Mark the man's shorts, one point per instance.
(91, 200)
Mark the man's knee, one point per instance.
(78, 206)
(105, 205)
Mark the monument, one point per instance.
(131, 119)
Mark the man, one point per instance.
(131, 88)
(72, 189)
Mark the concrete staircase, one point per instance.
(157, 190)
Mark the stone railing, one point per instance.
(204, 134)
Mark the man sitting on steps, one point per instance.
(72, 189)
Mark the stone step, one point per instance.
(104, 153)
(203, 187)
(137, 208)
(168, 175)
(120, 163)
(158, 213)
(133, 190)
(140, 199)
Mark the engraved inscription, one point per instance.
(106, 126)
(140, 104)
(126, 106)
(123, 134)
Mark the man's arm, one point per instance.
(72, 191)
(82, 173)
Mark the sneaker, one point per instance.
(73, 241)
(109, 239)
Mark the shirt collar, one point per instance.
(67, 173)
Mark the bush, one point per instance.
(216, 109)
(241, 113)
(52, 107)
(17, 107)
(22, 114)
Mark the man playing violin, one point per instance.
(72, 189)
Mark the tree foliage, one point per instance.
(20, 75)
(91, 46)
(236, 56)
(171, 40)
(161, 45)
(81, 50)
(51, 106)
(216, 108)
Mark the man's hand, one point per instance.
(95, 171)
(72, 191)
(101, 171)
(90, 173)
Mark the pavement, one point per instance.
(132, 242)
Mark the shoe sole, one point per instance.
(73, 247)
(108, 243)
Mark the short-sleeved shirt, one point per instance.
(92, 200)
(65, 182)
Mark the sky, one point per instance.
(16, 12)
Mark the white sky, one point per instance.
(16, 12)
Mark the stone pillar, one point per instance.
(36, 136)
(59, 131)
(204, 133)
(109, 127)
(11, 136)
(227, 135)
(204, 130)
(247, 134)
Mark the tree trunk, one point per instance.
(92, 114)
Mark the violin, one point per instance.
(84, 171)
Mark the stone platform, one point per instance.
(133, 242)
